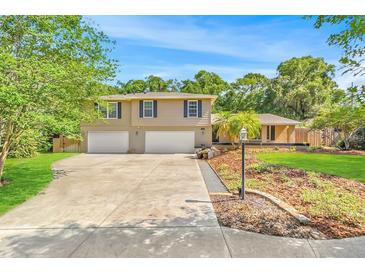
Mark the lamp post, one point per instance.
(243, 139)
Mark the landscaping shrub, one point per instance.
(30, 143)
(261, 167)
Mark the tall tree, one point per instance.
(49, 67)
(205, 83)
(303, 85)
(350, 37)
(344, 117)
(156, 84)
(132, 86)
(251, 92)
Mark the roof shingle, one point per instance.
(268, 119)
(158, 95)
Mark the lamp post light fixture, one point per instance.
(243, 139)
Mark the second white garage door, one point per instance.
(108, 141)
(169, 141)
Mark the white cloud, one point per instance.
(258, 42)
(187, 71)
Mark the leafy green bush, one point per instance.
(261, 167)
(29, 144)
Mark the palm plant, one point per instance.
(230, 124)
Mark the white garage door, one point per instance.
(108, 141)
(169, 141)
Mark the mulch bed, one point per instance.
(257, 214)
(288, 185)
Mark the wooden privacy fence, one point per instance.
(316, 138)
(63, 144)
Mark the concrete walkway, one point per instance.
(140, 206)
(211, 179)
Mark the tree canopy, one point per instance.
(302, 86)
(350, 37)
(205, 83)
(249, 93)
(49, 67)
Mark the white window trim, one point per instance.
(107, 111)
(144, 101)
(197, 109)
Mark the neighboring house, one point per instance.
(151, 122)
(274, 129)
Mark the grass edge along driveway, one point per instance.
(27, 177)
(347, 166)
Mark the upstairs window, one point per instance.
(110, 111)
(148, 109)
(193, 108)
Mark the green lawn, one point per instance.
(27, 177)
(347, 166)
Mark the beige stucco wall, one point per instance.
(283, 134)
(171, 112)
(170, 117)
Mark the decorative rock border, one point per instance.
(288, 208)
(284, 206)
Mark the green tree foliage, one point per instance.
(350, 37)
(205, 83)
(156, 84)
(346, 118)
(133, 86)
(152, 83)
(302, 86)
(251, 92)
(229, 124)
(49, 67)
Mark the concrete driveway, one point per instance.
(117, 206)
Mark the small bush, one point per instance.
(29, 144)
(261, 167)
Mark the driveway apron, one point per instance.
(117, 206)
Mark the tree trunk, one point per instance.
(3, 155)
(347, 144)
(5, 148)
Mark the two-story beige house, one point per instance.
(151, 122)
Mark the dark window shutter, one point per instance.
(272, 133)
(267, 132)
(200, 108)
(119, 110)
(141, 108)
(185, 108)
(155, 108)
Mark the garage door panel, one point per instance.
(169, 141)
(108, 141)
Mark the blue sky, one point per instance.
(177, 47)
